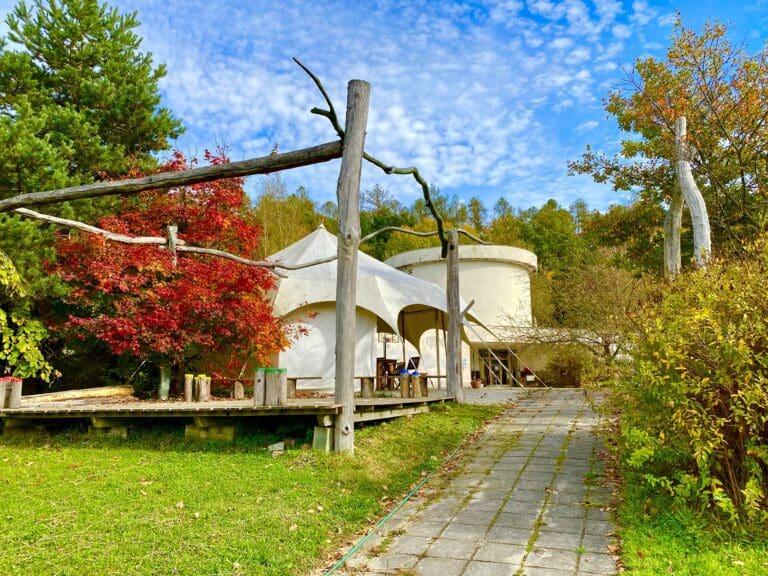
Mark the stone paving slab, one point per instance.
(527, 499)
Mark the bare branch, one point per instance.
(424, 190)
(373, 235)
(387, 169)
(181, 246)
(93, 229)
(263, 165)
(331, 112)
(473, 237)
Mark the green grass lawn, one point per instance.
(156, 503)
(660, 538)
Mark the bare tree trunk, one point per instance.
(672, 224)
(702, 241)
(348, 193)
(453, 352)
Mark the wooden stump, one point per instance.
(366, 388)
(239, 392)
(188, 389)
(292, 387)
(423, 385)
(405, 385)
(259, 386)
(202, 388)
(276, 392)
(165, 383)
(416, 386)
(10, 392)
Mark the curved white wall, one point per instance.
(497, 278)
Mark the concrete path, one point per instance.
(528, 500)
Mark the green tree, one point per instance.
(478, 213)
(721, 89)
(78, 102)
(551, 234)
(21, 335)
(379, 209)
(77, 98)
(284, 218)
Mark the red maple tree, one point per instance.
(141, 301)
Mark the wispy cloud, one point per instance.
(487, 96)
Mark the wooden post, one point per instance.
(424, 385)
(188, 380)
(165, 382)
(276, 391)
(292, 383)
(202, 388)
(405, 385)
(259, 386)
(437, 345)
(366, 387)
(238, 393)
(453, 352)
(348, 201)
(416, 386)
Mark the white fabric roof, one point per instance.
(381, 289)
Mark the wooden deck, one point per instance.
(214, 419)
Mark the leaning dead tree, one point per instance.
(690, 195)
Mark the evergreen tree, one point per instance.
(78, 100)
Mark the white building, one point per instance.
(497, 279)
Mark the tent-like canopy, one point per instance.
(403, 304)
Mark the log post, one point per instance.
(453, 352)
(276, 391)
(416, 386)
(188, 380)
(165, 382)
(203, 388)
(259, 386)
(239, 392)
(292, 383)
(405, 385)
(366, 388)
(348, 201)
(702, 237)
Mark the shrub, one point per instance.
(569, 366)
(695, 412)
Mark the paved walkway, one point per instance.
(528, 500)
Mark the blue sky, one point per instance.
(487, 97)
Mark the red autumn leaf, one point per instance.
(136, 300)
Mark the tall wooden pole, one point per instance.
(348, 197)
(453, 352)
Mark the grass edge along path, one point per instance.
(659, 537)
(159, 504)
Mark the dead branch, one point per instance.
(372, 235)
(263, 165)
(181, 246)
(330, 114)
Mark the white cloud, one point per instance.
(621, 31)
(480, 95)
(587, 126)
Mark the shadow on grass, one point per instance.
(166, 435)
